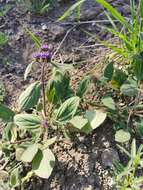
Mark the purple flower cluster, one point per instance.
(44, 55)
(44, 47)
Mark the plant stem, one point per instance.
(43, 88)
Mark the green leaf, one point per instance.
(58, 86)
(118, 79)
(15, 178)
(71, 9)
(29, 153)
(109, 103)
(141, 8)
(28, 70)
(140, 128)
(9, 132)
(63, 67)
(6, 114)
(78, 122)
(49, 142)
(3, 39)
(138, 66)
(83, 86)
(27, 121)
(81, 124)
(120, 51)
(129, 90)
(122, 37)
(29, 98)
(43, 163)
(95, 118)
(109, 70)
(68, 109)
(18, 154)
(122, 136)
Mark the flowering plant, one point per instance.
(49, 104)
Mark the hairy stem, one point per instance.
(43, 88)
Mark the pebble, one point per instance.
(108, 156)
(44, 27)
(56, 31)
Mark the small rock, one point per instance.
(90, 14)
(106, 144)
(56, 31)
(44, 27)
(108, 156)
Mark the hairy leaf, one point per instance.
(58, 86)
(138, 66)
(43, 163)
(68, 109)
(109, 103)
(109, 70)
(28, 70)
(29, 153)
(83, 86)
(129, 90)
(27, 121)
(6, 114)
(29, 98)
(122, 136)
(95, 118)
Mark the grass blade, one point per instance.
(71, 9)
(35, 39)
(116, 49)
(111, 21)
(114, 13)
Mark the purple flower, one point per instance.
(45, 55)
(36, 55)
(44, 47)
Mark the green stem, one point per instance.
(43, 88)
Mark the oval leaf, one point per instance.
(29, 98)
(81, 123)
(27, 121)
(6, 114)
(129, 90)
(119, 77)
(83, 85)
(95, 118)
(28, 70)
(15, 178)
(68, 109)
(43, 163)
(18, 154)
(138, 66)
(109, 70)
(122, 136)
(78, 122)
(109, 103)
(29, 153)
(58, 86)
